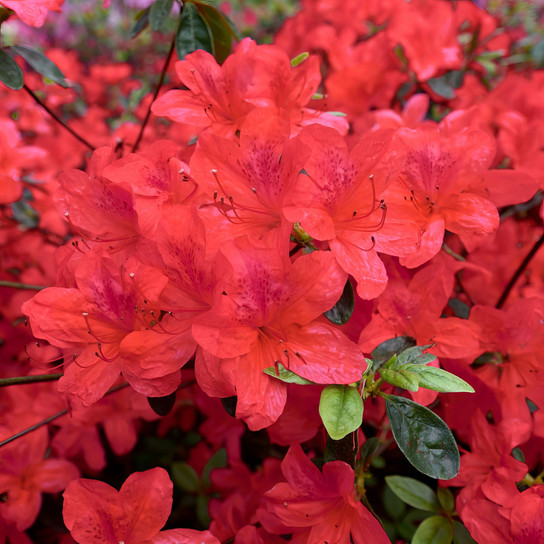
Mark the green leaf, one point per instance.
(341, 409)
(434, 530)
(441, 87)
(400, 378)
(222, 30)
(185, 477)
(25, 214)
(285, 375)
(40, 63)
(368, 449)
(159, 13)
(340, 313)
(415, 356)
(193, 32)
(11, 74)
(414, 493)
(394, 507)
(461, 534)
(299, 59)
(142, 20)
(381, 354)
(440, 380)
(162, 406)
(423, 437)
(202, 512)
(217, 460)
(446, 499)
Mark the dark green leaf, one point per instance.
(518, 454)
(394, 507)
(25, 214)
(159, 13)
(193, 32)
(217, 460)
(440, 380)
(446, 499)
(202, 510)
(434, 530)
(460, 309)
(229, 404)
(461, 534)
(441, 87)
(531, 405)
(142, 20)
(340, 313)
(341, 409)
(162, 405)
(286, 375)
(414, 493)
(387, 349)
(455, 78)
(222, 29)
(11, 74)
(400, 378)
(40, 63)
(423, 437)
(368, 448)
(185, 477)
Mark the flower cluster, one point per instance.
(203, 258)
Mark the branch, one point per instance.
(521, 268)
(58, 119)
(20, 380)
(21, 285)
(50, 419)
(156, 93)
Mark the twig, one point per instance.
(58, 119)
(20, 380)
(21, 285)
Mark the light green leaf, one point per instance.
(401, 378)
(185, 477)
(414, 493)
(341, 409)
(299, 59)
(446, 499)
(439, 380)
(285, 375)
(434, 530)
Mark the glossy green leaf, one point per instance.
(368, 449)
(159, 13)
(401, 378)
(446, 499)
(285, 375)
(461, 534)
(340, 313)
(341, 409)
(414, 493)
(441, 87)
(434, 530)
(11, 74)
(439, 380)
(40, 63)
(185, 477)
(222, 29)
(423, 437)
(193, 32)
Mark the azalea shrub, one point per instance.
(265, 292)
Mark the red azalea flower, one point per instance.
(33, 12)
(322, 506)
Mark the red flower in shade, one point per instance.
(95, 513)
(25, 474)
(319, 506)
(265, 313)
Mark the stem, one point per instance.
(157, 89)
(20, 380)
(521, 268)
(49, 419)
(452, 253)
(18, 285)
(58, 119)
